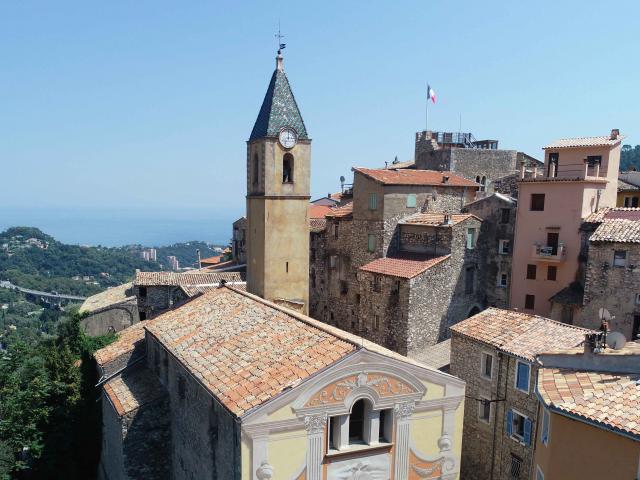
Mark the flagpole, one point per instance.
(427, 115)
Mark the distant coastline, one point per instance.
(119, 227)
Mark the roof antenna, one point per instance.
(279, 36)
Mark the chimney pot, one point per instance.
(445, 179)
(615, 133)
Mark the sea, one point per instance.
(119, 227)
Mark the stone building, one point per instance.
(495, 246)
(157, 292)
(231, 386)
(238, 242)
(610, 258)
(110, 311)
(589, 426)
(480, 161)
(366, 229)
(494, 353)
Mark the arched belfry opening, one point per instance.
(287, 168)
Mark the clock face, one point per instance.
(288, 138)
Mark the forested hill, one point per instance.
(630, 158)
(32, 259)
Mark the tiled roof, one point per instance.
(609, 399)
(407, 164)
(149, 279)
(626, 187)
(436, 356)
(617, 230)
(125, 343)
(345, 210)
(602, 141)
(519, 334)
(110, 296)
(211, 260)
(279, 109)
(405, 266)
(318, 211)
(571, 295)
(132, 389)
(612, 213)
(500, 196)
(631, 177)
(244, 350)
(193, 290)
(436, 219)
(415, 177)
(317, 225)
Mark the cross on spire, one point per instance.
(279, 36)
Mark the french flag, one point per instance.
(431, 94)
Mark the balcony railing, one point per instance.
(549, 253)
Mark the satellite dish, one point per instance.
(604, 314)
(616, 340)
(342, 179)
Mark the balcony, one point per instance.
(549, 253)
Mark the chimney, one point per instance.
(615, 133)
(447, 219)
(522, 169)
(445, 179)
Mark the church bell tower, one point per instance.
(278, 186)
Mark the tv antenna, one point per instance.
(279, 36)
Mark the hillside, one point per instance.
(630, 158)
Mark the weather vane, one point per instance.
(279, 36)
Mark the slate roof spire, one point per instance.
(279, 108)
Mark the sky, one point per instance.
(147, 105)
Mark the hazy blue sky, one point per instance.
(148, 104)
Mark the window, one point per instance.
(371, 242)
(627, 201)
(553, 239)
(504, 247)
(619, 258)
(539, 473)
(505, 215)
(344, 287)
(553, 165)
(529, 302)
(504, 280)
(484, 410)
(385, 426)
(552, 272)
(256, 169)
(335, 230)
(356, 423)
(287, 168)
(286, 267)
(486, 365)
(592, 161)
(471, 238)
(358, 298)
(377, 283)
(544, 431)
(469, 280)
(361, 426)
(537, 202)
(516, 467)
(635, 331)
(143, 292)
(411, 201)
(522, 376)
(531, 272)
(373, 201)
(518, 427)
(483, 184)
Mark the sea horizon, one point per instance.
(117, 227)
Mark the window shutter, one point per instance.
(509, 425)
(527, 431)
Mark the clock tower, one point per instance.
(278, 186)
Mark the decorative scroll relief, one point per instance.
(336, 392)
(429, 469)
(373, 467)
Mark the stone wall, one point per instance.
(613, 288)
(111, 456)
(112, 318)
(158, 299)
(493, 263)
(486, 448)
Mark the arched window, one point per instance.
(483, 182)
(287, 168)
(256, 169)
(356, 422)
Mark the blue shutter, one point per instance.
(527, 431)
(509, 425)
(523, 376)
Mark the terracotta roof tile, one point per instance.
(345, 210)
(193, 290)
(317, 225)
(233, 343)
(609, 399)
(601, 141)
(617, 230)
(519, 334)
(132, 389)
(126, 342)
(318, 211)
(436, 219)
(405, 266)
(178, 279)
(415, 177)
(110, 296)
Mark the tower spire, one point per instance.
(281, 46)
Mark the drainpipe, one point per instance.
(495, 414)
(598, 199)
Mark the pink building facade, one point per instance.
(580, 176)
